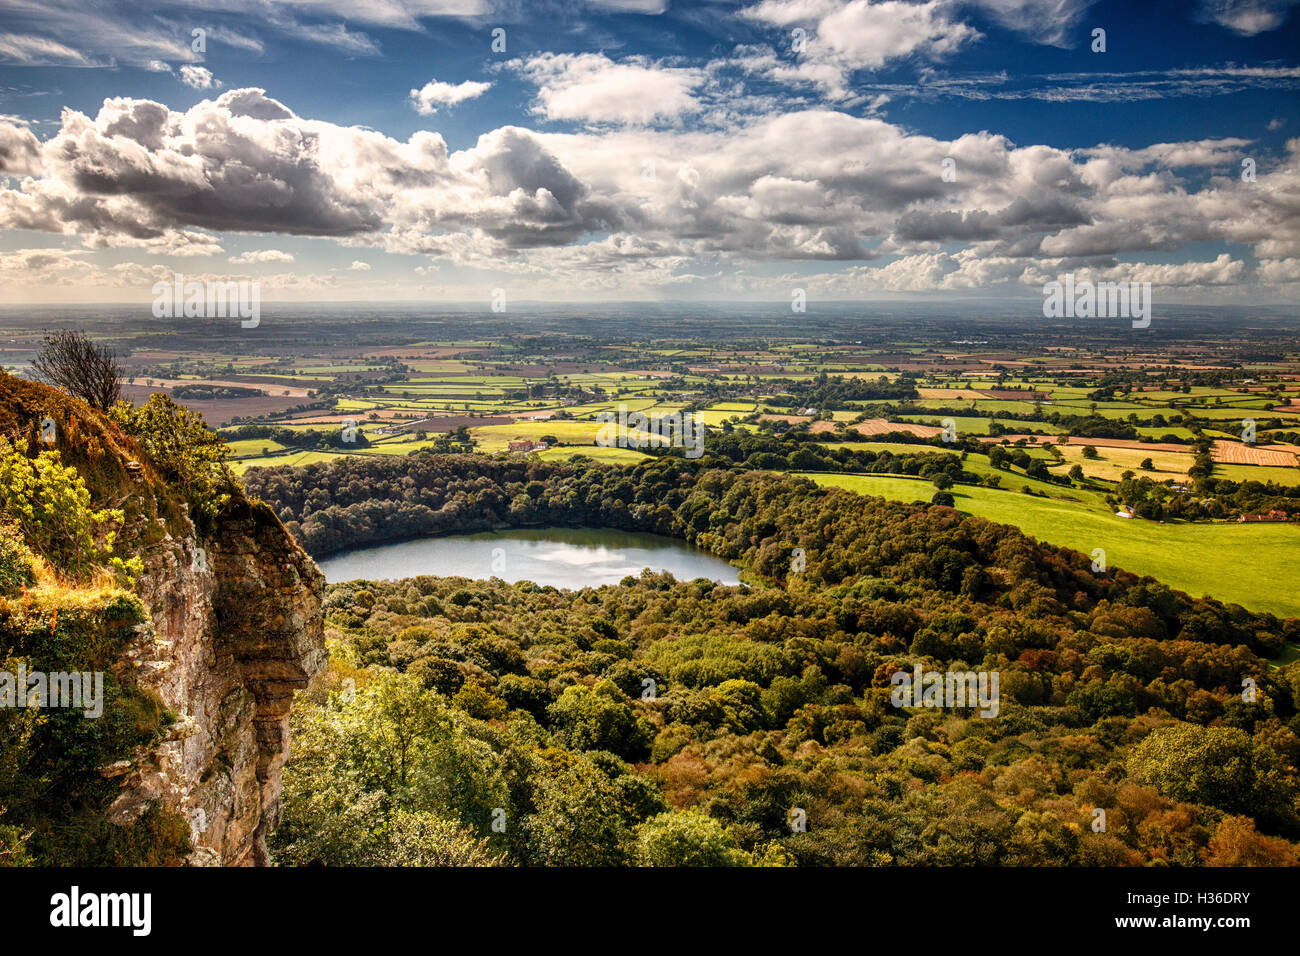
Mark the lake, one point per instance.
(561, 557)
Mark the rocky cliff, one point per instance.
(236, 630)
(231, 628)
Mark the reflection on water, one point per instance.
(560, 557)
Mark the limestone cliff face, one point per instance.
(236, 630)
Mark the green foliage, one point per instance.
(50, 505)
(581, 819)
(189, 455)
(1218, 766)
(689, 838)
(50, 758)
(424, 839)
(776, 696)
(599, 719)
(15, 562)
(361, 761)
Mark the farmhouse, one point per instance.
(527, 446)
(1274, 515)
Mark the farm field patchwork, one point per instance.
(1192, 557)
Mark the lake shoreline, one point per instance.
(562, 557)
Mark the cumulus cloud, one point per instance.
(359, 266)
(590, 87)
(140, 173)
(1279, 271)
(1206, 152)
(199, 77)
(650, 205)
(435, 93)
(20, 151)
(843, 36)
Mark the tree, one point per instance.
(1147, 465)
(185, 450)
(1076, 472)
(70, 361)
(50, 504)
(1090, 452)
(689, 838)
(944, 498)
(1235, 843)
(424, 839)
(1218, 766)
(580, 819)
(597, 719)
(361, 760)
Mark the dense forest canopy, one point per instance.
(661, 721)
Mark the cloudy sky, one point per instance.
(436, 150)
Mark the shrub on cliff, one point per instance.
(15, 562)
(50, 504)
(51, 758)
(190, 456)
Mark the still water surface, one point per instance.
(560, 557)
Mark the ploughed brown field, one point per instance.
(1235, 453)
(880, 426)
(221, 411)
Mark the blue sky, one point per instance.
(649, 149)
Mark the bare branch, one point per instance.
(70, 361)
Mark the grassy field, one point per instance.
(1251, 565)
(611, 456)
(252, 447)
(491, 438)
(1282, 476)
(301, 458)
(1113, 462)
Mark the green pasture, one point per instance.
(1249, 564)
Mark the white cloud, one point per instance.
(20, 151)
(1247, 17)
(30, 50)
(649, 7)
(590, 87)
(260, 255)
(359, 266)
(435, 93)
(1051, 22)
(579, 209)
(843, 36)
(199, 77)
(1279, 271)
